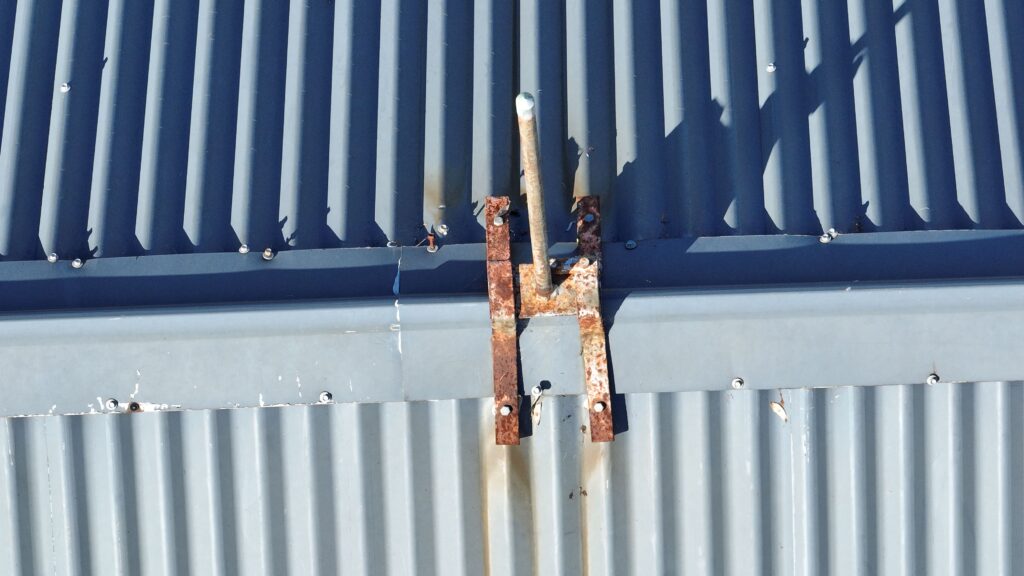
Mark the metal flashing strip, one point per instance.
(253, 355)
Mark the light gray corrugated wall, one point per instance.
(197, 125)
(886, 480)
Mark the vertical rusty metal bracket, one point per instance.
(504, 345)
(577, 293)
(594, 345)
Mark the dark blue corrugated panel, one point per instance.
(198, 125)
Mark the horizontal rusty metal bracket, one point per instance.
(504, 345)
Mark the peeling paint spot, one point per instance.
(779, 409)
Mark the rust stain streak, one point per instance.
(595, 354)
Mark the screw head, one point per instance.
(825, 238)
(771, 67)
(326, 397)
(392, 244)
(432, 249)
(442, 230)
(243, 249)
(65, 88)
(268, 254)
(932, 379)
(52, 257)
(505, 410)
(588, 218)
(599, 407)
(737, 383)
(134, 407)
(630, 244)
(536, 391)
(77, 263)
(111, 403)
(498, 221)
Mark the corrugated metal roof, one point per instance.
(887, 480)
(133, 128)
(199, 125)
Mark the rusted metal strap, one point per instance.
(504, 347)
(594, 346)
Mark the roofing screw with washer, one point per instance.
(505, 410)
(828, 236)
(77, 263)
(111, 403)
(932, 379)
(134, 407)
(599, 407)
(498, 221)
(326, 397)
(268, 254)
(52, 257)
(442, 230)
(771, 67)
(737, 383)
(243, 249)
(65, 88)
(431, 244)
(630, 244)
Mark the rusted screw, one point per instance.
(932, 379)
(431, 244)
(77, 263)
(584, 261)
(630, 244)
(599, 407)
(505, 410)
(111, 403)
(737, 383)
(52, 257)
(326, 397)
(243, 249)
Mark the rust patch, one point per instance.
(504, 349)
(588, 226)
(497, 234)
(561, 302)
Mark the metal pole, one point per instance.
(534, 192)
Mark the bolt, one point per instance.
(111, 403)
(505, 410)
(588, 218)
(737, 383)
(431, 245)
(442, 230)
(630, 244)
(134, 407)
(825, 238)
(498, 221)
(77, 263)
(771, 67)
(65, 88)
(243, 249)
(599, 407)
(52, 257)
(268, 254)
(326, 397)
(536, 391)
(932, 379)
(832, 233)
